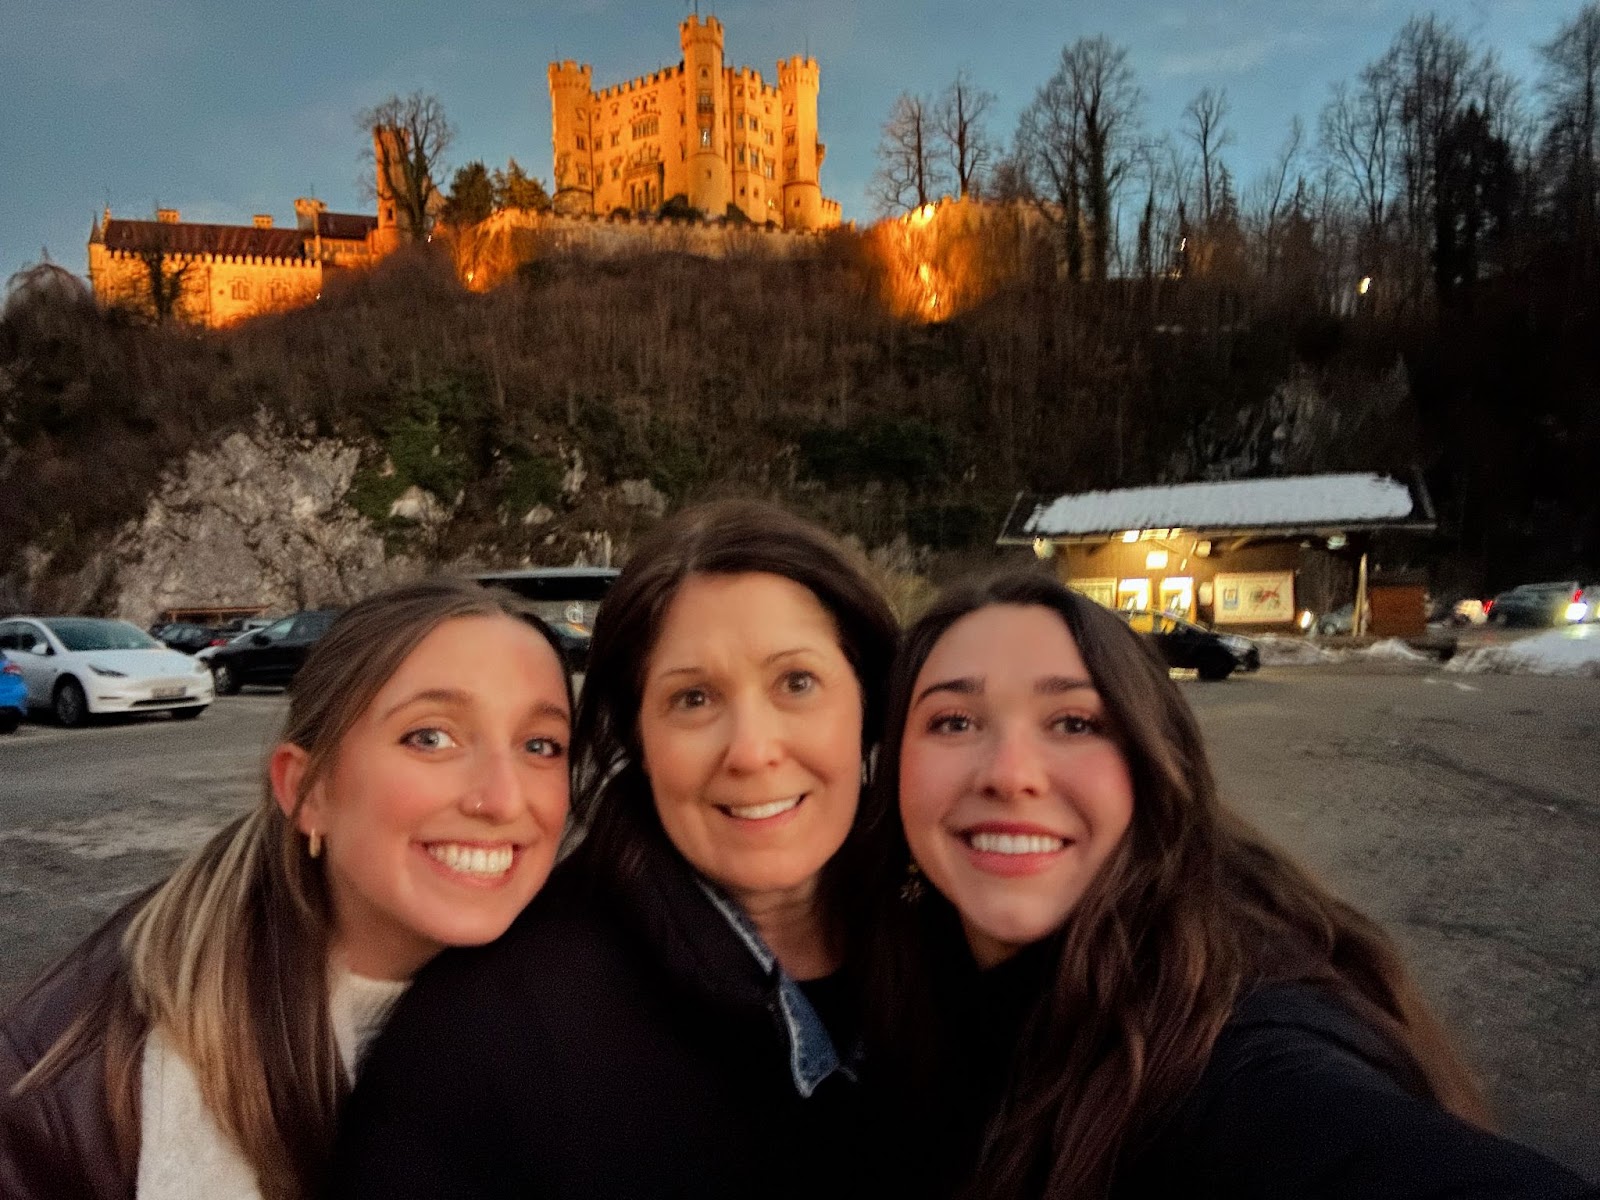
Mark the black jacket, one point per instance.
(618, 1041)
(1298, 1100)
(56, 1140)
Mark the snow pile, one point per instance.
(1280, 651)
(1390, 650)
(1574, 651)
(1237, 503)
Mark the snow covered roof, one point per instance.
(1296, 504)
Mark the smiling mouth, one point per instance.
(763, 812)
(476, 862)
(1015, 844)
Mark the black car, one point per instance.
(565, 597)
(1539, 605)
(1182, 643)
(272, 655)
(188, 637)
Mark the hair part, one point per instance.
(228, 957)
(1193, 909)
(612, 798)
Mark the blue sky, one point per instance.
(223, 109)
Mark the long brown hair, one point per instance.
(229, 956)
(611, 794)
(1192, 910)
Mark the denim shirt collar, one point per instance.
(812, 1054)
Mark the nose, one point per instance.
(1014, 768)
(494, 789)
(755, 740)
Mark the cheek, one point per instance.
(922, 799)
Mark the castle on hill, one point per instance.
(717, 138)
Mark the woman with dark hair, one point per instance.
(1134, 994)
(679, 1013)
(200, 1043)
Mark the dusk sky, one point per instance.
(223, 109)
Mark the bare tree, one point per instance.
(909, 172)
(1206, 126)
(959, 118)
(1273, 189)
(410, 135)
(1358, 134)
(1571, 88)
(1078, 140)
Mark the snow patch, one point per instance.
(1238, 503)
(1574, 651)
(1390, 650)
(1279, 651)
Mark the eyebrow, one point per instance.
(460, 699)
(765, 662)
(1049, 685)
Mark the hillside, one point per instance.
(404, 422)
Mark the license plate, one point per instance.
(168, 693)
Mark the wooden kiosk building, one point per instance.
(1247, 554)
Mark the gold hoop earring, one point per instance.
(314, 843)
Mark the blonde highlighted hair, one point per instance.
(228, 957)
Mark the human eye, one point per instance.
(799, 683)
(689, 699)
(545, 747)
(1077, 724)
(428, 738)
(950, 723)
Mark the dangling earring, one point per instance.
(912, 889)
(314, 843)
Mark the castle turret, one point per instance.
(572, 140)
(389, 150)
(709, 186)
(799, 80)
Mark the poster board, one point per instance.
(1101, 591)
(1257, 598)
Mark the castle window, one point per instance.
(613, 110)
(739, 155)
(768, 171)
(704, 72)
(616, 137)
(788, 138)
(704, 102)
(769, 137)
(580, 142)
(788, 110)
(241, 289)
(741, 121)
(583, 174)
(705, 136)
(754, 124)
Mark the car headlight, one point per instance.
(107, 672)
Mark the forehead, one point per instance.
(747, 614)
(477, 653)
(1006, 641)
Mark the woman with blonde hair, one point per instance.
(201, 1042)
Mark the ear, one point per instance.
(287, 769)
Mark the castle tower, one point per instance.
(572, 141)
(388, 152)
(706, 99)
(798, 82)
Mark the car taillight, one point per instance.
(1487, 606)
(10, 669)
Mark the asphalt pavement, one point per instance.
(1461, 811)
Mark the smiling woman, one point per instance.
(686, 991)
(199, 1044)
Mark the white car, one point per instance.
(78, 666)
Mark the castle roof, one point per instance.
(352, 227)
(141, 237)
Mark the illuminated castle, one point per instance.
(716, 138)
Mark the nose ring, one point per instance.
(477, 806)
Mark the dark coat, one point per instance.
(618, 1041)
(1299, 1099)
(56, 1140)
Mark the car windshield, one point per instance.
(92, 633)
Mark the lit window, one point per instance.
(241, 289)
(705, 136)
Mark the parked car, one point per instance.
(81, 666)
(567, 598)
(188, 637)
(1540, 604)
(1340, 620)
(1183, 643)
(13, 695)
(269, 656)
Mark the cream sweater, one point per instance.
(183, 1155)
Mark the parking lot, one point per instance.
(1460, 810)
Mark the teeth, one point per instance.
(472, 860)
(1015, 843)
(760, 812)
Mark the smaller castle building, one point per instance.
(717, 138)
